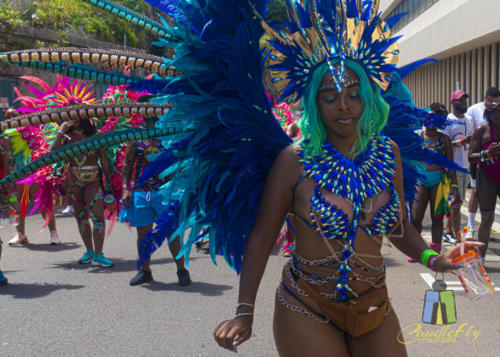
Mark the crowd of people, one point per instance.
(442, 189)
(86, 189)
(445, 190)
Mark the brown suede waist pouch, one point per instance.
(356, 317)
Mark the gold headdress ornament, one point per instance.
(324, 30)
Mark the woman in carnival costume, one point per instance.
(241, 175)
(33, 142)
(435, 183)
(85, 191)
(23, 144)
(84, 173)
(5, 163)
(344, 181)
(485, 153)
(83, 176)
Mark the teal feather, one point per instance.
(134, 18)
(81, 71)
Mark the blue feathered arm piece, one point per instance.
(403, 122)
(220, 96)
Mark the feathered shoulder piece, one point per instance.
(220, 95)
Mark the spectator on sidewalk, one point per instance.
(460, 131)
(485, 154)
(476, 112)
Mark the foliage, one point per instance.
(277, 10)
(54, 14)
(9, 18)
(86, 20)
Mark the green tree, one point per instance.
(277, 10)
(9, 18)
(87, 20)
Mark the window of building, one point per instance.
(414, 9)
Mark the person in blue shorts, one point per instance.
(142, 205)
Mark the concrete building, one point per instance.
(464, 35)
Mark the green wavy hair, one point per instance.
(372, 120)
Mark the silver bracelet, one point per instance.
(240, 304)
(244, 314)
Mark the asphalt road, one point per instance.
(55, 307)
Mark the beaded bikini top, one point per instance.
(368, 175)
(439, 146)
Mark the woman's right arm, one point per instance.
(61, 134)
(275, 202)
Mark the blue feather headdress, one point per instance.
(322, 30)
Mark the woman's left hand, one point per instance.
(444, 262)
(494, 150)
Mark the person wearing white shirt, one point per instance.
(476, 112)
(460, 131)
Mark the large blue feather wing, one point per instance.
(220, 95)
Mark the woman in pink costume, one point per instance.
(485, 152)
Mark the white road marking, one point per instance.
(464, 210)
(429, 279)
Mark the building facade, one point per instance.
(464, 35)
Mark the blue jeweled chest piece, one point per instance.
(369, 174)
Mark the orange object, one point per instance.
(13, 217)
(458, 234)
(470, 255)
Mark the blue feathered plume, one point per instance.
(220, 96)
